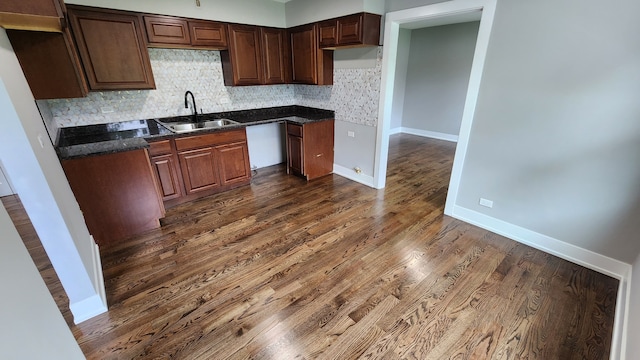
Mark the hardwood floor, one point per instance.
(332, 269)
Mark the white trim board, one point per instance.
(589, 259)
(352, 175)
(448, 12)
(86, 309)
(424, 133)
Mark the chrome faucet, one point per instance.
(194, 116)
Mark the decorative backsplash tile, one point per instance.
(354, 96)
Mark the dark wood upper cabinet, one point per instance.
(275, 55)
(166, 30)
(38, 15)
(112, 48)
(50, 63)
(176, 32)
(309, 63)
(209, 34)
(361, 29)
(242, 63)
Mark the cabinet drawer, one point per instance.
(160, 148)
(216, 138)
(166, 30)
(294, 129)
(208, 33)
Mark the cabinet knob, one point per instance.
(318, 155)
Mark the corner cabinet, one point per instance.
(191, 167)
(112, 48)
(310, 64)
(310, 149)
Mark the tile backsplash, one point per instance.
(354, 96)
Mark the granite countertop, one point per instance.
(81, 141)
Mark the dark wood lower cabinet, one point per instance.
(234, 163)
(199, 170)
(190, 167)
(168, 178)
(295, 152)
(310, 149)
(116, 193)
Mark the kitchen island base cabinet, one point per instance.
(116, 193)
(310, 149)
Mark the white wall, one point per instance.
(255, 12)
(395, 5)
(556, 136)
(299, 12)
(31, 163)
(5, 183)
(437, 77)
(32, 326)
(400, 85)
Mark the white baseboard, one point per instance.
(87, 308)
(394, 131)
(352, 175)
(425, 133)
(587, 258)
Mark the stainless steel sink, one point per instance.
(181, 127)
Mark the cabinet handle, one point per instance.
(318, 155)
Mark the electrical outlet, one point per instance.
(351, 134)
(486, 203)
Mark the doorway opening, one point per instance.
(452, 12)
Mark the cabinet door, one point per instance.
(163, 30)
(166, 171)
(242, 64)
(350, 30)
(318, 148)
(112, 49)
(274, 55)
(199, 170)
(303, 54)
(310, 64)
(208, 34)
(50, 63)
(328, 33)
(295, 155)
(234, 163)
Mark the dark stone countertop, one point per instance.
(81, 141)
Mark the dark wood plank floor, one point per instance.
(331, 269)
